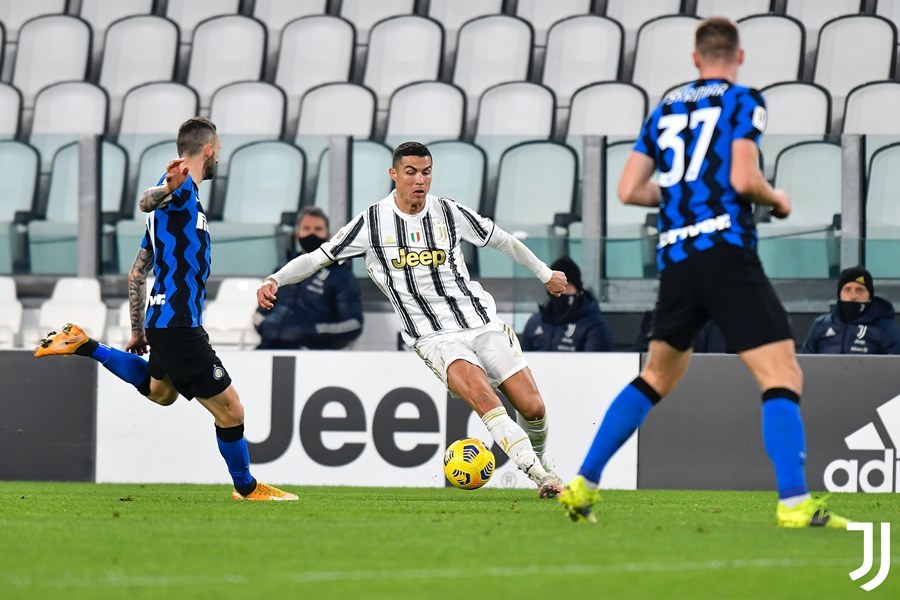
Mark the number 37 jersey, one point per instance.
(689, 137)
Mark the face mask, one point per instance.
(310, 242)
(850, 310)
(563, 304)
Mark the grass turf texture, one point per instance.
(67, 540)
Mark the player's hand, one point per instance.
(265, 295)
(176, 174)
(782, 209)
(557, 283)
(138, 343)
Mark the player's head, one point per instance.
(411, 171)
(198, 137)
(716, 42)
(312, 228)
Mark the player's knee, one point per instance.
(533, 411)
(163, 397)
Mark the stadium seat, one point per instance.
(252, 236)
(100, 15)
(368, 175)
(537, 181)
(225, 50)
(52, 241)
(871, 110)
(276, 14)
(542, 15)
(890, 10)
(609, 108)
(450, 157)
(139, 49)
(629, 250)
(19, 167)
(733, 9)
(10, 313)
(364, 14)
(580, 51)
(74, 300)
(188, 14)
(491, 50)
(244, 112)
(797, 112)
(854, 50)
(342, 109)
(773, 50)
(63, 112)
(119, 333)
(14, 14)
(882, 213)
(391, 66)
(806, 245)
(153, 112)
(814, 15)
(51, 49)
(314, 50)
(426, 111)
(662, 55)
(631, 15)
(10, 111)
(228, 318)
(451, 14)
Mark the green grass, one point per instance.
(190, 541)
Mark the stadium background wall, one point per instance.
(383, 419)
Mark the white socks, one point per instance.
(515, 442)
(795, 500)
(537, 433)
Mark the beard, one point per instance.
(209, 167)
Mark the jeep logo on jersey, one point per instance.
(867, 439)
(157, 300)
(426, 258)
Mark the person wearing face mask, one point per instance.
(322, 313)
(860, 322)
(569, 323)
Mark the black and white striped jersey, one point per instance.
(416, 260)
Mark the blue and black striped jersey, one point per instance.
(689, 137)
(178, 236)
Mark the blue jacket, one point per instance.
(873, 332)
(323, 312)
(581, 329)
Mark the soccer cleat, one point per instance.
(809, 513)
(551, 486)
(578, 501)
(62, 343)
(265, 492)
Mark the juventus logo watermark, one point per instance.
(868, 547)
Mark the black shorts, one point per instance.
(184, 354)
(727, 284)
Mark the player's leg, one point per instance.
(525, 397)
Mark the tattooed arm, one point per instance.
(153, 198)
(137, 300)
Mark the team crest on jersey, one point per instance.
(415, 237)
(218, 373)
(441, 232)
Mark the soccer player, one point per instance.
(702, 140)
(176, 246)
(411, 244)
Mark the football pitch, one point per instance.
(65, 540)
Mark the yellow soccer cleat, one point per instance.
(578, 501)
(65, 342)
(809, 513)
(265, 492)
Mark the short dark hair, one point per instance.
(409, 149)
(717, 38)
(312, 211)
(193, 135)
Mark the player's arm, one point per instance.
(293, 272)
(137, 300)
(748, 180)
(155, 197)
(554, 281)
(635, 186)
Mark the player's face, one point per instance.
(212, 159)
(854, 292)
(413, 178)
(312, 225)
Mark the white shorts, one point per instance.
(493, 347)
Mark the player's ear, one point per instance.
(393, 173)
(740, 56)
(696, 59)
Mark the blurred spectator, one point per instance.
(324, 312)
(570, 323)
(860, 322)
